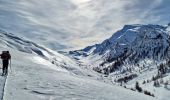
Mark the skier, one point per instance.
(5, 56)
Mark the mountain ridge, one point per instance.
(130, 45)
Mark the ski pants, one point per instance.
(5, 66)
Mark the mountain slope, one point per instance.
(33, 76)
(132, 44)
(136, 53)
(13, 42)
(30, 80)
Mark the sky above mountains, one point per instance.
(74, 24)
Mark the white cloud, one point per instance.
(77, 23)
(78, 2)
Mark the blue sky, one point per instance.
(74, 24)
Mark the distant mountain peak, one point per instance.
(127, 34)
(130, 45)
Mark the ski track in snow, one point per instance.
(2, 86)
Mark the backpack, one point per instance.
(5, 55)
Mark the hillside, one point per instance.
(135, 53)
(41, 74)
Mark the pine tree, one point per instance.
(144, 82)
(138, 88)
(153, 78)
(156, 83)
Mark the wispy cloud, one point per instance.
(71, 24)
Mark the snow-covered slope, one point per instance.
(33, 76)
(135, 53)
(30, 80)
(17, 43)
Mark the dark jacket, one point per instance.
(5, 56)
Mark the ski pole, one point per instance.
(10, 66)
(1, 65)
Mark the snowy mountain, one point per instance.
(13, 42)
(41, 74)
(131, 45)
(131, 65)
(135, 53)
